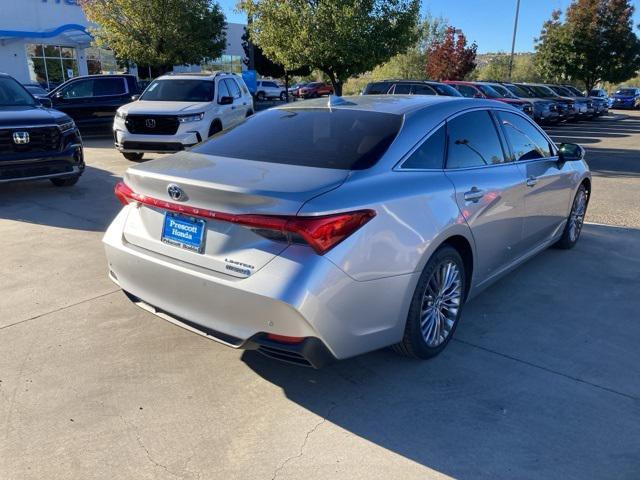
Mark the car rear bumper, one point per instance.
(43, 165)
(297, 294)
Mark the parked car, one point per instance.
(296, 86)
(309, 247)
(179, 110)
(627, 98)
(566, 106)
(314, 89)
(600, 105)
(602, 94)
(36, 142)
(411, 87)
(267, 89)
(584, 106)
(483, 90)
(92, 100)
(544, 111)
(37, 91)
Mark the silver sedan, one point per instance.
(325, 229)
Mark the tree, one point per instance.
(450, 59)
(596, 43)
(497, 68)
(267, 68)
(341, 38)
(159, 33)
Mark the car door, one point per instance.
(549, 185)
(109, 93)
(74, 99)
(489, 189)
(239, 106)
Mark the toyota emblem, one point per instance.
(175, 192)
(150, 123)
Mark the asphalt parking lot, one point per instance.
(541, 381)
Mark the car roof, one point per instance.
(395, 104)
(202, 75)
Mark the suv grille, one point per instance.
(152, 124)
(40, 139)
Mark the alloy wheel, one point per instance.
(576, 219)
(441, 303)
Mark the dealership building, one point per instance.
(48, 42)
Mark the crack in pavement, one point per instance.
(56, 310)
(304, 442)
(548, 370)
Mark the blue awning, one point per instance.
(71, 31)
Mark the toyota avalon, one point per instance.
(369, 224)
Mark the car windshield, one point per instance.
(35, 90)
(178, 90)
(519, 91)
(320, 137)
(562, 91)
(13, 95)
(488, 91)
(503, 91)
(575, 91)
(597, 93)
(444, 89)
(626, 91)
(542, 91)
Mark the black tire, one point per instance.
(214, 128)
(65, 182)
(133, 156)
(260, 96)
(413, 343)
(283, 96)
(571, 232)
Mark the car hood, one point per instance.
(24, 116)
(155, 107)
(624, 97)
(513, 101)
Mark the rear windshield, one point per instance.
(339, 138)
(444, 89)
(376, 88)
(626, 91)
(488, 91)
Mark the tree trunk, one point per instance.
(335, 83)
(286, 86)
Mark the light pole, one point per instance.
(513, 41)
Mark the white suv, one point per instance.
(269, 89)
(177, 111)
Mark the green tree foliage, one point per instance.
(450, 59)
(596, 43)
(341, 38)
(497, 68)
(160, 33)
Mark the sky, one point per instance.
(487, 22)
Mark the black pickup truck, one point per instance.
(92, 100)
(36, 142)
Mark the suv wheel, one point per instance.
(133, 156)
(260, 96)
(214, 128)
(65, 182)
(436, 305)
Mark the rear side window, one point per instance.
(402, 89)
(429, 155)
(223, 91)
(473, 141)
(376, 88)
(108, 86)
(338, 138)
(467, 91)
(527, 142)
(423, 90)
(233, 88)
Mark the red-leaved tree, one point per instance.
(451, 59)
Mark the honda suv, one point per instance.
(266, 89)
(36, 142)
(179, 111)
(626, 98)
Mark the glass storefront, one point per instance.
(100, 60)
(50, 65)
(225, 63)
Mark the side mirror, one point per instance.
(570, 152)
(45, 102)
(134, 97)
(225, 100)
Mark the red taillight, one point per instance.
(321, 233)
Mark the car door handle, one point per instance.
(532, 181)
(473, 195)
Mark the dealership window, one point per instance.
(50, 65)
(100, 60)
(225, 63)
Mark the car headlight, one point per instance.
(121, 114)
(196, 117)
(67, 126)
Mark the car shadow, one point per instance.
(87, 205)
(540, 381)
